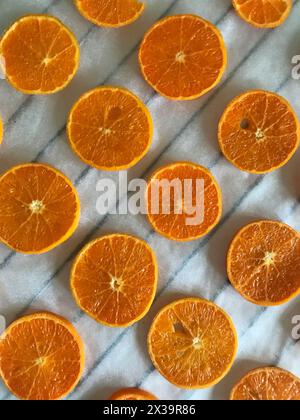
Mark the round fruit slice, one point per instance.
(132, 394)
(184, 201)
(267, 384)
(41, 357)
(110, 128)
(40, 54)
(192, 343)
(39, 208)
(111, 13)
(182, 57)
(263, 263)
(114, 279)
(259, 132)
(264, 13)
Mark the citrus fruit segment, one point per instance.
(192, 343)
(182, 57)
(39, 208)
(114, 279)
(110, 128)
(41, 357)
(263, 13)
(267, 384)
(263, 263)
(111, 13)
(259, 132)
(132, 394)
(183, 201)
(40, 54)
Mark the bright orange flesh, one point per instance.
(192, 343)
(39, 208)
(263, 263)
(179, 223)
(132, 394)
(264, 13)
(110, 128)
(111, 13)
(259, 132)
(267, 384)
(40, 54)
(114, 279)
(41, 357)
(182, 57)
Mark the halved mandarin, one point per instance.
(192, 343)
(259, 132)
(184, 201)
(263, 13)
(132, 394)
(267, 384)
(182, 57)
(110, 128)
(40, 54)
(41, 357)
(39, 208)
(110, 13)
(114, 279)
(263, 263)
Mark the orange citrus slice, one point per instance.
(111, 13)
(132, 394)
(39, 208)
(183, 57)
(40, 54)
(264, 13)
(267, 384)
(110, 128)
(192, 343)
(114, 279)
(259, 132)
(41, 357)
(263, 263)
(184, 201)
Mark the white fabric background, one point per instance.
(35, 130)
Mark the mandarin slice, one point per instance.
(263, 13)
(111, 13)
(263, 263)
(259, 132)
(39, 208)
(192, 343)
(110, 128)
(184, 201)
(114, 279)
(267, 384)
(41, 357)
(132, 394)
(40, 55)
(182, 57)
